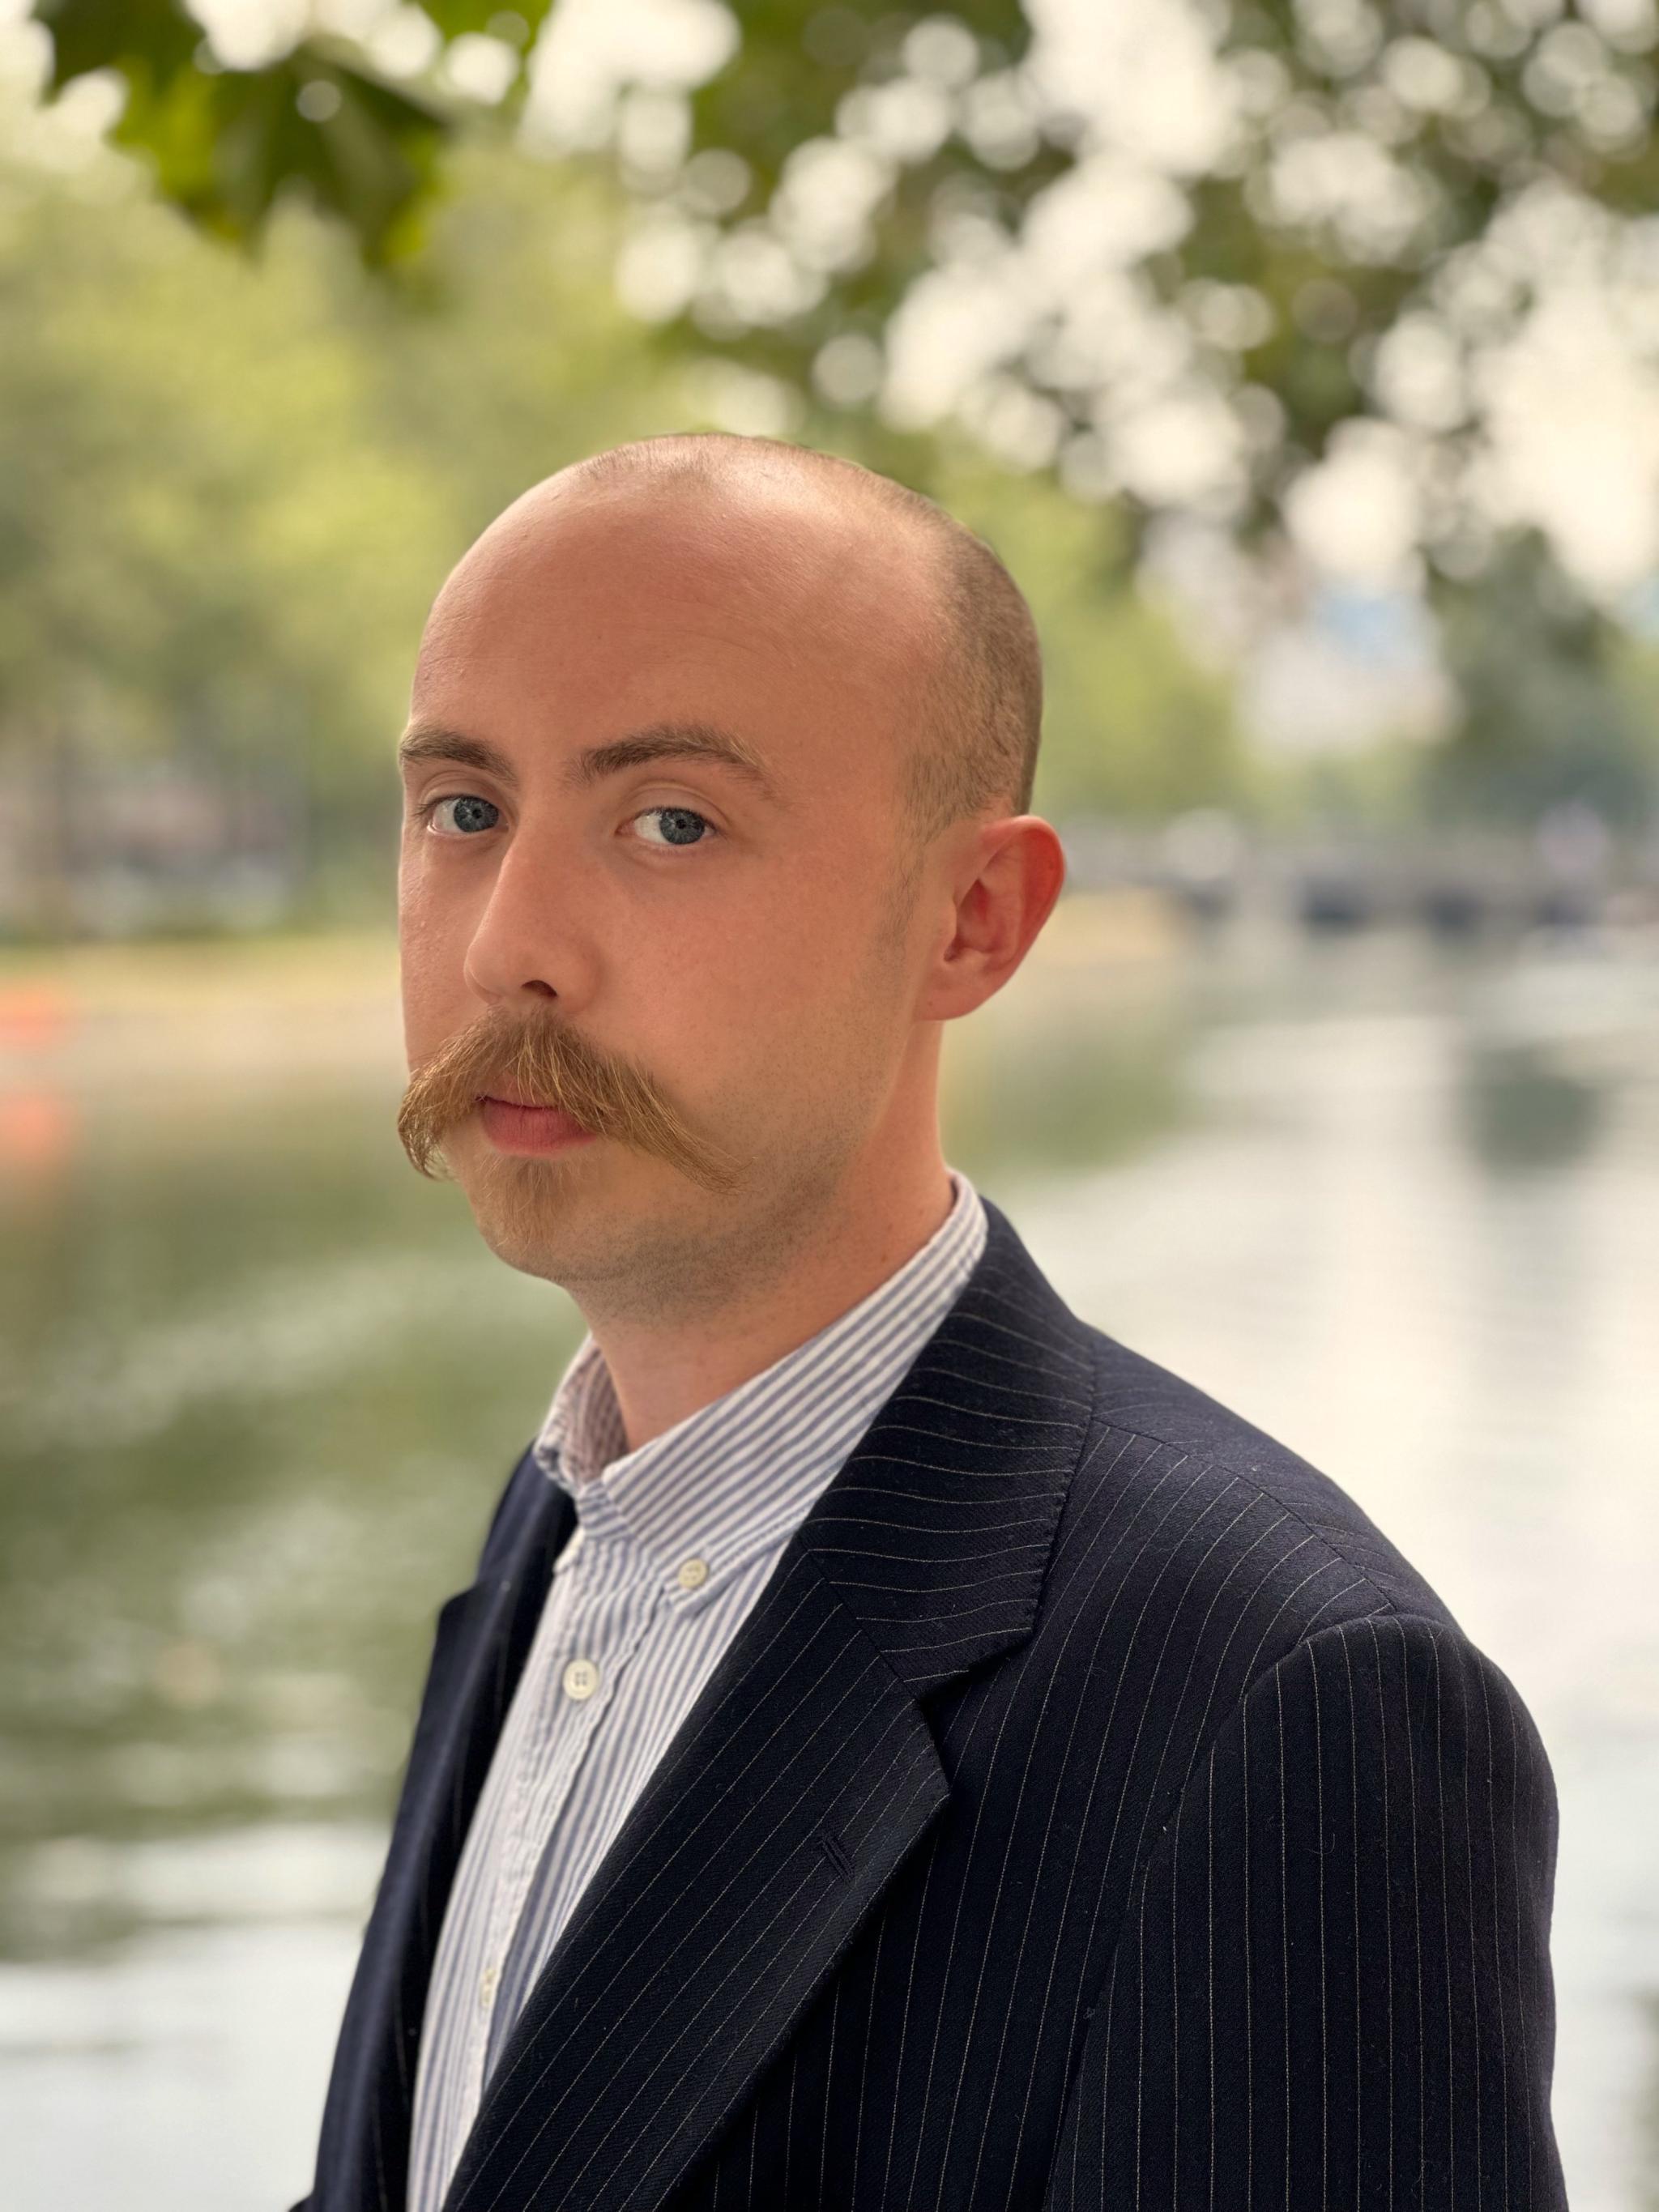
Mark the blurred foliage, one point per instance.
(226, 144)
(1558, 704)
(1345, 253)
(229, 486)
(1135, 728)
(1373, 151)
(229, 489)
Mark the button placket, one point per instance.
(524, 1808)
(536, 1813)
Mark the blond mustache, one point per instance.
(544, 1064)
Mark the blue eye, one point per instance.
(462, 798)
(682, 825)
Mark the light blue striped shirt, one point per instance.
(673, 1545)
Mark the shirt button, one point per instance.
(693, 1573)
(487, 1981)
(580, 1678)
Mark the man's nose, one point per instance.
(530, 940)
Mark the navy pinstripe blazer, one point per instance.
(1095, 1809)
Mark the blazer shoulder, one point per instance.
(1159, 1418)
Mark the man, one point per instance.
(902, 1749)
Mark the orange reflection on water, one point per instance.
(37, 1130)
(34, 1015)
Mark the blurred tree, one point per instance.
(228, 490)
(1134, 728)
(1554, 710)
(227, 144)
(1221, 232)
(198, 545)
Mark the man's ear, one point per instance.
(1016, 872)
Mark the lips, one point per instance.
(552, 1117)
(518, 1127)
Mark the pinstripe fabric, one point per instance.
(1096, 1808)
(724, 1489)
(1358, 1863)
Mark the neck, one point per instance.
(661, 1375)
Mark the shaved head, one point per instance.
(977, 660)
(716, 773)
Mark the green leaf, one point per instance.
(227, 145)
(151, 41)
(453, 17)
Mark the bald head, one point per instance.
(965, 637)
(716, 780)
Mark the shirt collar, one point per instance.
(736, 1476)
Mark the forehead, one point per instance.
(808, 625)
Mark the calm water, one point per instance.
(1398, 1206)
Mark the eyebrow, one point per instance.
(700, 741)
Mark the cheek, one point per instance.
(424, 922)
(800, 1017)
(785, 980)
(811, 941)
(741, 1022)
(735, 969)
(435, 1000)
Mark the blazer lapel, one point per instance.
(482, 1636)
(806, 1774)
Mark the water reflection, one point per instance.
(262, 1403)
(1395, 1202)
(1523, 1113)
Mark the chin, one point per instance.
(525, 1220)
(518, 1201)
